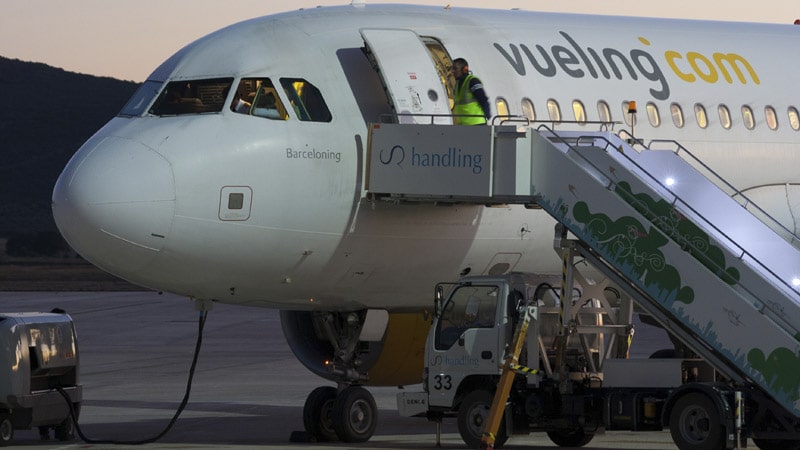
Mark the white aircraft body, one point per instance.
(237, 172)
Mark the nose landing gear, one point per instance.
(347, 414)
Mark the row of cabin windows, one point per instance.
(654, 115)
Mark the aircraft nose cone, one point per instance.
(114, 204)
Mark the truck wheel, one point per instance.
(6, 430)
(472, 416)
(318, 414)
(695, 425)
(65, 431)
(355, 415)
(570, 438)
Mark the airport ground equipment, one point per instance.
(687, 248)
(38, 354)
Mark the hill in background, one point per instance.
(46, 114)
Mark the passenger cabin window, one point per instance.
(677, 115)
(141, 99)
(772, 117)
(580, 111)
(528, 110)
(724, 117)
(794, 118)
(306, 100)
(700, 115)
(553, 110)
(652, 114)
(502, 107)
(604, 111)
(258, 97)
(748, 118)
(192, 97)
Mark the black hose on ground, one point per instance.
(184, 402)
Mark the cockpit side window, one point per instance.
(306, 100)
(258, 97)
(192, 97)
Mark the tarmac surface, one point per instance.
(135, 351)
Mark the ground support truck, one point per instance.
(574, 377)
(38, 358)
(569, 384)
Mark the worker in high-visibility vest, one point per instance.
(471, 105)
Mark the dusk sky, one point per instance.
(128, 39)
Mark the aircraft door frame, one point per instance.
(412, 81)
(444, 66)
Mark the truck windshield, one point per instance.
(468, 307)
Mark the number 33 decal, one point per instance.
(442, 381)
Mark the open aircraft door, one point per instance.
(409, 75)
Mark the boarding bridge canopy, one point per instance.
(688, 252)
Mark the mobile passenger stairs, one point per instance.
(657, 222)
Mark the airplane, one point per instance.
(236, 173)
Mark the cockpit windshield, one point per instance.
(260, 97)
(141, 98)
(252, 96)
(192, 97)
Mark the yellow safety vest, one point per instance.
(466, 104)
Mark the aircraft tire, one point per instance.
(355, 415)
(318, 414)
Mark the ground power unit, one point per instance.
(38, 357)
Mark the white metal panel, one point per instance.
(409, 74)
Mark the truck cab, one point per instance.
(467, 344)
